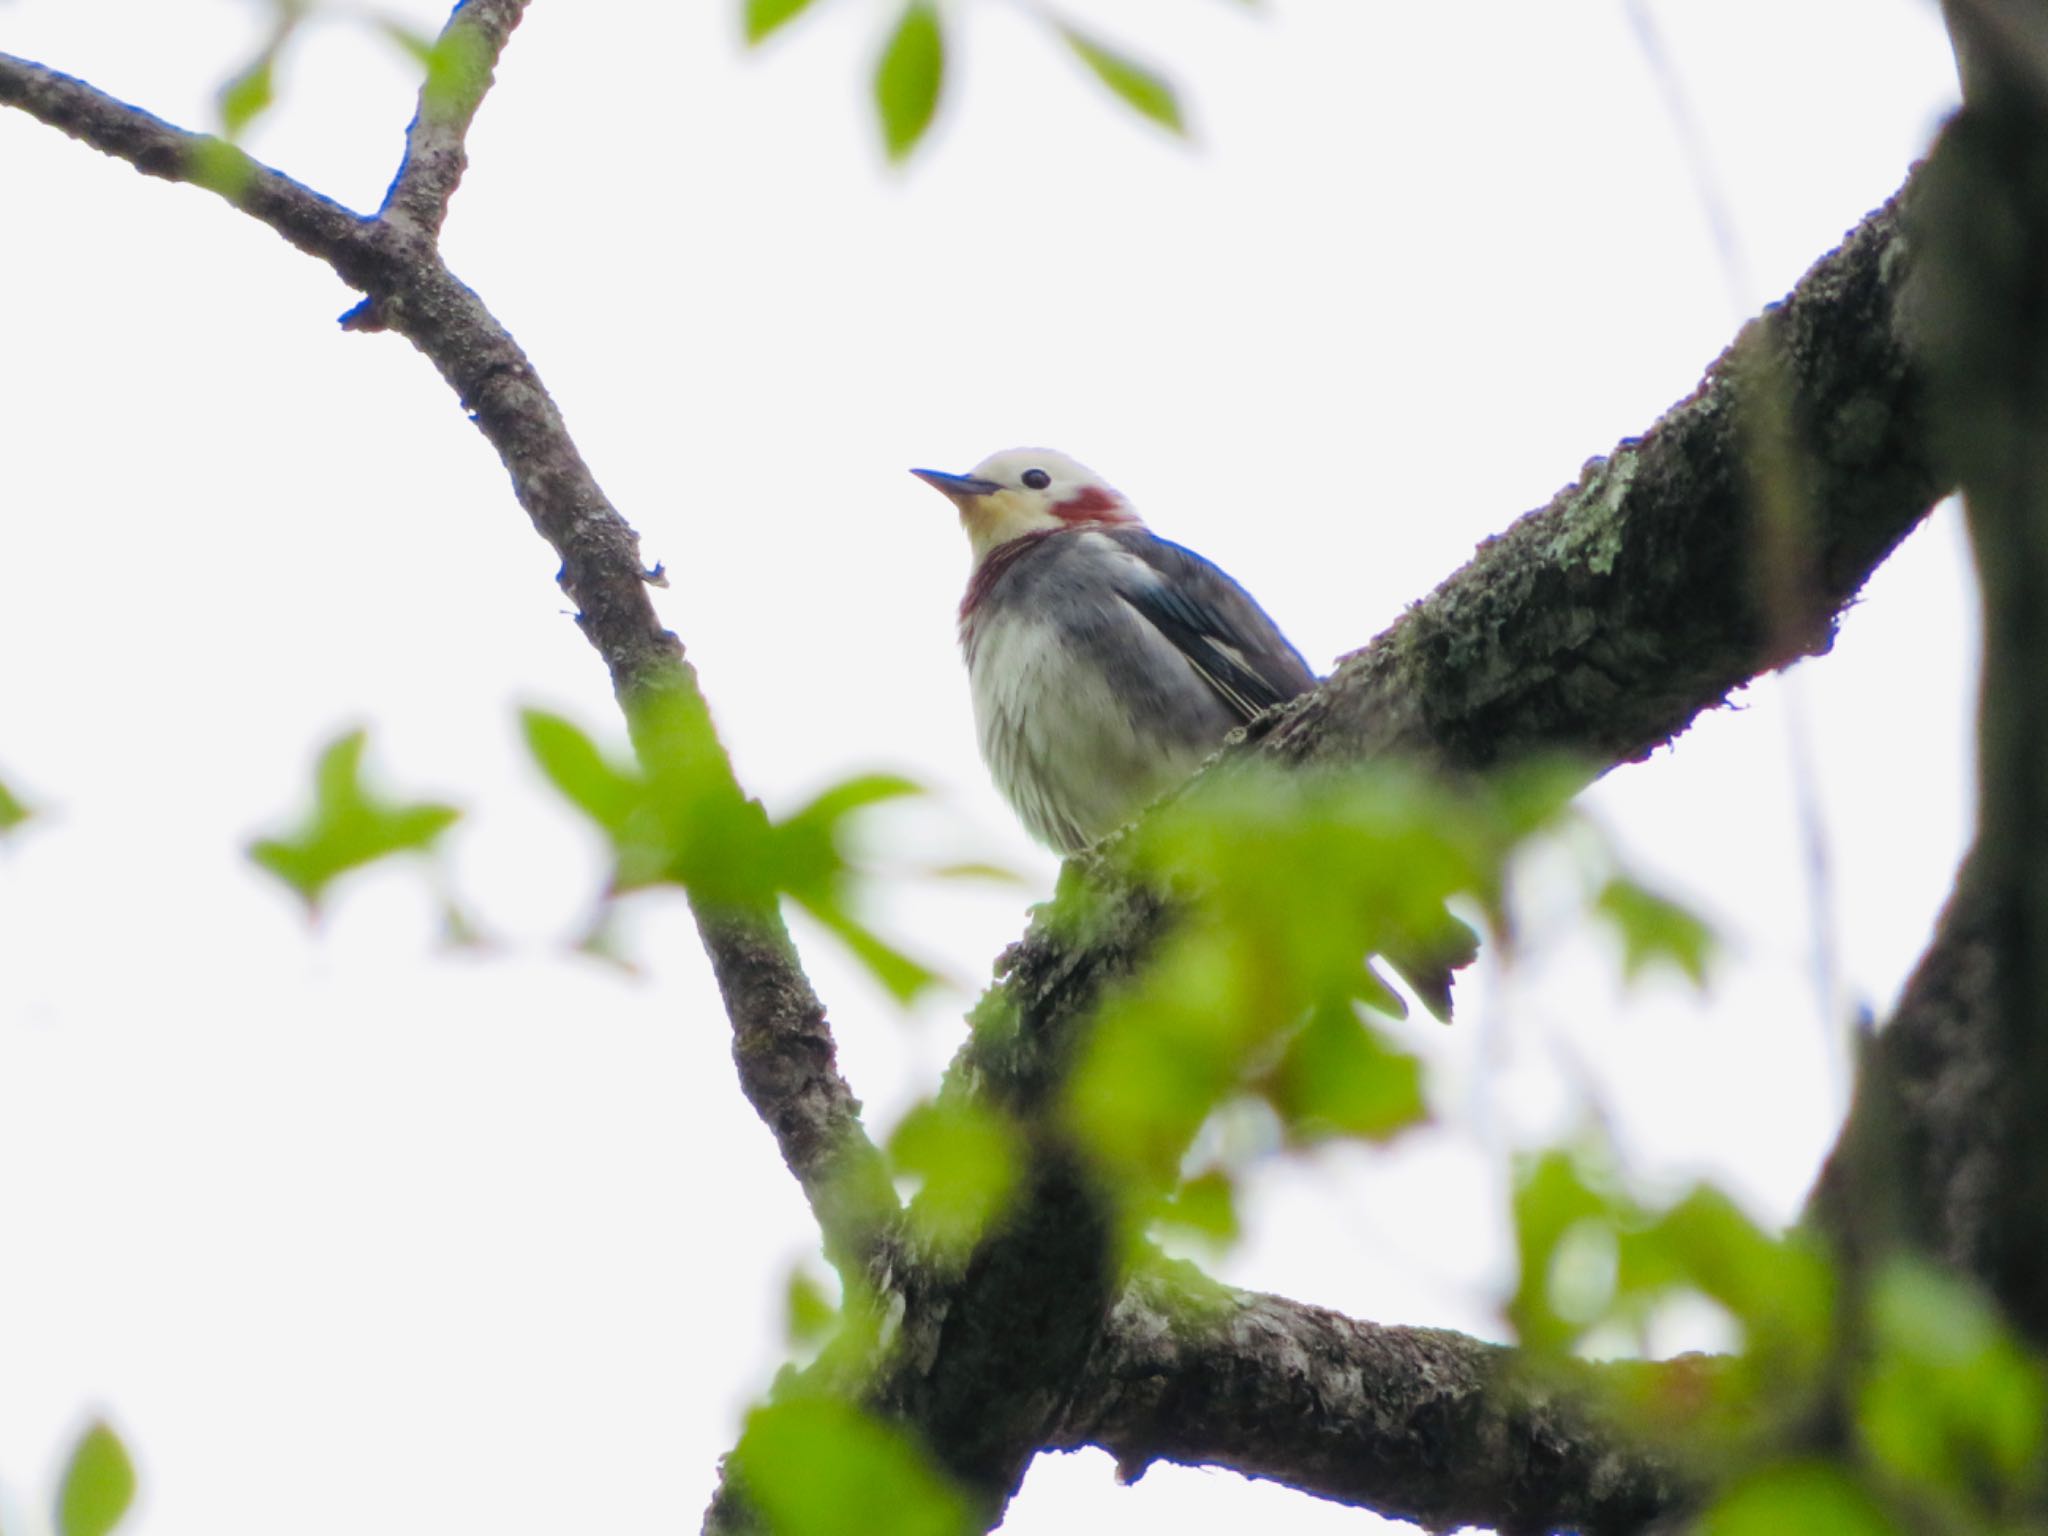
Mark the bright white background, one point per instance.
(348, 1234)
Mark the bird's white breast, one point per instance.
(1060, 742)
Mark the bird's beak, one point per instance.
(956, 487)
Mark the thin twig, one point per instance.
(459, 72)
(781, 1040)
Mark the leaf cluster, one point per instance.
(676, 816)
(910, 70)
(1946, 1412)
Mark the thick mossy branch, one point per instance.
(1600, 625)
(1595, 628)
(1418, 1423)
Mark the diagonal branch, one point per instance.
(782, 1043)
(1597, 627)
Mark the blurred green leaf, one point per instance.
(820, 1467)
(458, 70)
(966, 1159)
(417, 46)
(348, 826)
(1341, 1078)
(810, 1313)
(1780, 1289)
(1568, 1208)
(1655, 930)
(243, 99)
(98, 1484)
(1552, 1197)
(1950, 1401)
(1206, 1206)
(218, 166)
(1161, 1056)
(811, 843)
(902, 977)
(678, 816)
(908, 78)
(1144, 90)
(607, 793)
(1286, 883)
(13, 810)
(1809, 1498)
(765, 16)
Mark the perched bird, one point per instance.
(1105, 662)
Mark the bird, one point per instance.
(1105, 663)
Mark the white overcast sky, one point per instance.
(346, 1234)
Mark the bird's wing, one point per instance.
(1213, 622)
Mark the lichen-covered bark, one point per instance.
(1190, 1371)
(1601, 624)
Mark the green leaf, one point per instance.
(1779, 1288)
(908, 77)
(810, 844)
(902, 977)
(1341, 1078)
(810, 1314)
(1655, 930)
(220, 167)
(98, 1484)
(418, 46)
(348, 826)
(1206, 1206)
(965, 1157)
(458, 70)
(1552, 1197)
(1811, 1498)
(243, 99)
(1950, 1402)
(608, 794)
(1142, 89)
(820, 1467)
(13, 810)
(1162, 1056)
(766, 16)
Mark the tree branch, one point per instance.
(319, 226)
(1597, 627)
(1918, 1157)
(1982, 320)
(1418, 1423)
(782, 1043)
(459, 72)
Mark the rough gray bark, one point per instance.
(1946, 1148)
(1419, 1423)
(1982, 315)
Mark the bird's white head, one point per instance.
(1026, 490)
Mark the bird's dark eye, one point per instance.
(1037, 479)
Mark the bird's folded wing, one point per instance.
(1214, 623)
